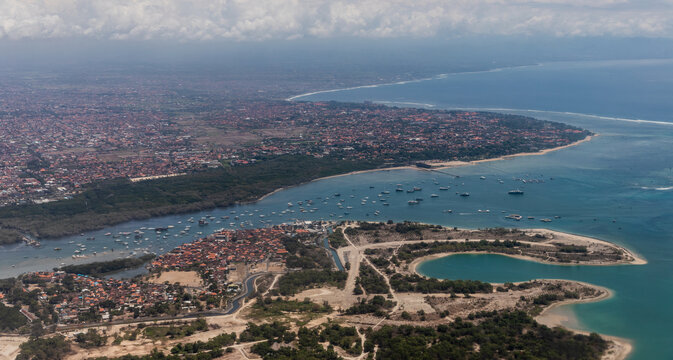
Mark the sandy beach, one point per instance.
(558, 236)
(584, 240)
(441, 165)
(620, 347)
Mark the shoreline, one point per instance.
(622, 347)
(635, 259)
(442, 165)
(402, 82)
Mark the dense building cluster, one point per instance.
(215, 254)
(49, 153)
(73, 298)
(367, 131)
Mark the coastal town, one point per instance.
(52, 152)
(287, 263)
(218, 264)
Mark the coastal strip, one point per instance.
(442, 165)
(619, 349)
(566, 238)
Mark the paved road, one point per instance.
(248, 288)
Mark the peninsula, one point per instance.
(206, 160)
(279, 292)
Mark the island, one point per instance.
(312, 290)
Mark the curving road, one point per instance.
(248, 288)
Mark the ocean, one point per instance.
(617, 187)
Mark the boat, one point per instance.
(516, 217)
(443, 188)
(399, 190)
(545, 220)
(434, 195)
(412, 202)
(515, 192)
(203, 222)
(417, 188)
(57, 249)
(290, 204)
(482, 177)
(465, 194)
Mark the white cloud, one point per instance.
(283, 19)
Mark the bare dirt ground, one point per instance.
(9, 346)
(186, 278)
(142, 346)
(239, 274)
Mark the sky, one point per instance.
(258, 20)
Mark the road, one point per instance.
(248, 288)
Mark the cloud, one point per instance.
(188, 20)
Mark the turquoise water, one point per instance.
(500, 269)
(617, 187)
